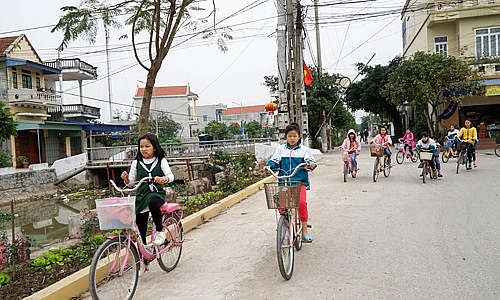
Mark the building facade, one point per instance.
(468, 29)
(30, 88)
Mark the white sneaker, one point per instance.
(159, 238)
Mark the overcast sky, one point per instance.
(350, 33)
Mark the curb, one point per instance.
(77, 283)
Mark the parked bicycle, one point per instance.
(381, 161)
(450, 150)
(118, 262)
(284, 196)
(348, 167)
(426, 156)
(402, 154)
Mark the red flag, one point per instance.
(308, 78)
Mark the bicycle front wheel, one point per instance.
(284, 247)
(345, 172)
(375, 169)
(424, 171)
(497, 150)
(114, 271)
(400, 157)
(169, 253)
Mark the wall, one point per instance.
(27, 183)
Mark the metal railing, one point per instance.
(120, 154)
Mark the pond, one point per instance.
(45, 219)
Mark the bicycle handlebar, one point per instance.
(128, 190)
(286, 176)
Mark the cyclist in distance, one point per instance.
(286, 157)
(409, 140)
(150, 162)
(383, 139)
(427, 143)
(468, 134)
(352, 146)
(451, 135)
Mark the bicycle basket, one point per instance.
(346, 157)
(115, 213)
(425, 155)
(376, 151)
(447, 144)
(283, 194)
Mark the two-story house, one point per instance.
(245, 114)
(469, 29)
(29, 87)
(176, 101)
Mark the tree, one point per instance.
(8, 126)
(254, 129)
(428, 80)
(367, 95)
(218, 130)
(160, 19)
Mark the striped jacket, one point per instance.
(286, 159)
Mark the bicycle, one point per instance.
(450, 150)
(381, 161)
(402, 154)
(115, 268)
(284, 196)
(348, 168)
(462, 155)
(497, 150)
(425, 157)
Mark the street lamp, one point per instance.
(156, 111)
(241, 115)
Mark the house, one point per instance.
(29, 87)
(207, 114)
(176, 101)
(245, 114)
(467, 29)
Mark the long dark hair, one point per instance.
(159, 152)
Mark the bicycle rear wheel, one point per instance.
(375, 169)
(459, 160)
(387, 168)
(114, 271)
(169, 253)
(284, 247)
(497, 150)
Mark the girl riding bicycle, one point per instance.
(286, 158)
(383, 139)
(352, 146)
(409, 140)
(150, 162)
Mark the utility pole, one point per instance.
(110, 95)
(324, 143)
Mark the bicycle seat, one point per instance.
(170, 207)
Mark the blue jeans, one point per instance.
(387, 152)
(438, 163)
(354, 163)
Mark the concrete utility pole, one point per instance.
(324, 144)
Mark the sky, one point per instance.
(352, 32)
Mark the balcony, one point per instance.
(33, 97)
(77, 112)
(451, 11)
(74, 69)
(193, 120)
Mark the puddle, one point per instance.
(45, 219)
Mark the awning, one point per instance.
(14, 62)
(100, 127)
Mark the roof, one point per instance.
(244, 110)
(8, 43)
(179, 90)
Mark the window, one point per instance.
(14, 80)
(27, 82)
(441, 45)
(488, 42)
(205, 118)
(38, 83)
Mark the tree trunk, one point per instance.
(146, 98)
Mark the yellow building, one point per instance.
(468, 29)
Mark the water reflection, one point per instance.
(44, 221)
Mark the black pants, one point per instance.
(470, 152)
(142, 218)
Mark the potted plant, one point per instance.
(23, 160)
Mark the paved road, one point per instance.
(394, 239)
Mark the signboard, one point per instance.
(492, 90)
